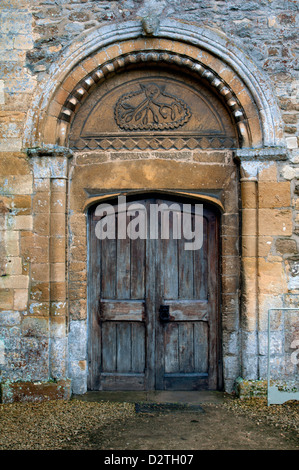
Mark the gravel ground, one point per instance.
(284, 417)
(80, 425)
(56, 424)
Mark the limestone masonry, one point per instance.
(64, 65)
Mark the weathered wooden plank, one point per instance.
(201, 347)
(122, 382)
(108, 255)
(151, 309)
(137, 268)
(124, 347)
(186, 382)
(123, 269)
(118, 310)
(186, 347)
(169, 264)
(138, 347)
(185, 271)
(200, 266)
(94, 280)
(171, 347)
(109, 346)
(184, 310)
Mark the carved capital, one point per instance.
(49, 151)
(50, 161)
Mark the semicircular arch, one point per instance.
(107, 50)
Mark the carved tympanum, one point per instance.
(151, 108)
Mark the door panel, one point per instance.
(133, 348)
(121, 313)
(183, 350)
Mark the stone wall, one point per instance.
(34, 37)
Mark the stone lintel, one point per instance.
(261, 154)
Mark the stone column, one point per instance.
(50, 172)
(255, 263)
(249, 301)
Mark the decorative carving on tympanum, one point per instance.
(104, 71)
(150, 108)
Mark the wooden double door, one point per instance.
(154, 304)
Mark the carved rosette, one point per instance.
(151, 108)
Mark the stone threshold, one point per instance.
(155, 396)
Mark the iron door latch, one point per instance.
(164, 313)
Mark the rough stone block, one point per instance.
(40, 272)
(77, 340)
(264, 245)
(267, 171)
(292, 142)
(76, 291)
(21, 205)
(41, 202)
(58, 223)
(275, 222)
(11, 241)
(35, 392)
(58, 308)
(272, 279)
(39, 309)
(13, 163)
(9, 319)
(273, 195)
(251, 388)
(286, 245)
(40, 292)
(20, 184)
(58, 291)
(14, 282)
(34, 247)
(58, 272)
(20, 299)
(58, 202)
(58, 326)
(35, 326)
(78, 309)
(6, 299)
(23, 222)
(41, 224)
(248, 194)
(58, 357)
(57, 249)
(249, 222)
(41, 185)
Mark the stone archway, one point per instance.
(105, 48)
(229, 76)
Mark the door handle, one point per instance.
(164, 313)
